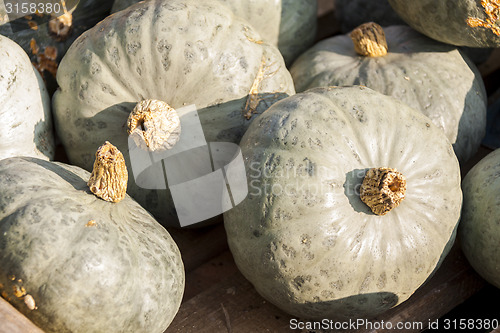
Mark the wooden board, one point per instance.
(233, 305)
(12, 321)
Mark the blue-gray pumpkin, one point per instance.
(73, 262)
(308, 236)
(435, 78)
(288, 24)
(25, 115)
(479, 226)
(181, 52)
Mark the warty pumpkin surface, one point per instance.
(479, 228)
(304, 238)
(435, 78)
(180, 52)
(25, 116)
(72, 262)
(288, 24)
(473, 23)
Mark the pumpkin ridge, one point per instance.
(78, 252)
(355, 147)
(404, 74)
(389, 250)
(129, 86)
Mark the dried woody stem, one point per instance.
(383, 189)
(109, 176)
(369, 40)
(154, 125)
(492, 11)
(62, 25)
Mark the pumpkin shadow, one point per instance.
(344, 310)
(220, 122)
(472, 123)
(44, 138)
(72, 175)
(352, 186)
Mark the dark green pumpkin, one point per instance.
(45, 48)
(352, 13)
(470, 23)
(72, 262)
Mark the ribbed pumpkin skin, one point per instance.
(303, 237)
(446, 21)
(86, 15)
(262, 14)
(25, 116)
(123, 273)
(479, 228)
(183, 53)
(288, 24)
(429, 76)
(297, 28)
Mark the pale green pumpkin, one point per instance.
(479, 226)
(25, 115)
(288, 24)
(184, 53)
(72, 262)
(304, 238)
(435, 78)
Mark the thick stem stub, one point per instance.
(154, 125)
(109, 176)
(369, 40)
(383, 189)
(61, 26)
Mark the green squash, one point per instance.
(430, 76)
(45, 42)
(25, 115)
(72, 262)
(185, 53)
(288, 24)
(303, 236)
(470, 23)
(352, 13)
(479, 230)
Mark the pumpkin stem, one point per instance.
(62, 25)
(383, 189)
(109, 176)
(154, 125)
(369, 40)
